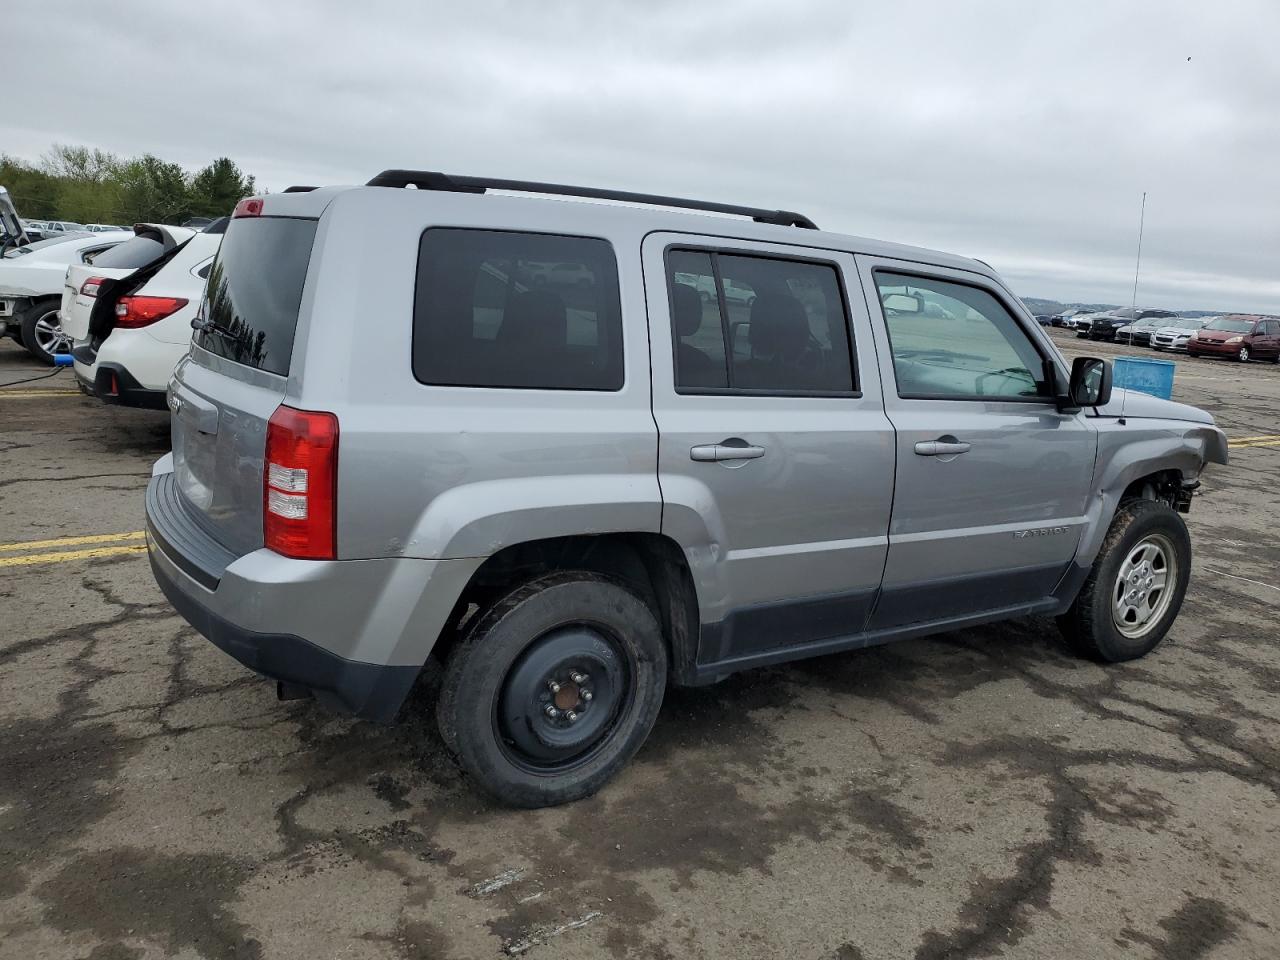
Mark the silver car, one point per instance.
(1176, 334)
(398, 436)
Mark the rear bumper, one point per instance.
(366, 690)
(112, 383)
(355, 633)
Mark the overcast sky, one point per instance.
(1019, 132)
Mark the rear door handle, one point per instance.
(713, 452)
(941, 448)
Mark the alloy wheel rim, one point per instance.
(1144, 586)
(49, 335)
(1244, 353)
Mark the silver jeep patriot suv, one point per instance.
(577, 451)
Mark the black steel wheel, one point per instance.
(554, 689)
(562, 698)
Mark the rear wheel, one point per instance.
(41, 332)
(554, 689)
(1136, 587)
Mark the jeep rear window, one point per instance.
(522, 310)
(136, 252)
(255, 289)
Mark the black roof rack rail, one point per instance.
(432, 180)
(298, 189)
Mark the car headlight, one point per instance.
(1236, 340)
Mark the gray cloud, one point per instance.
(1020, 133)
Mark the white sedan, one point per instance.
(31, 280)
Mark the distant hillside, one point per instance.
(1040, 305)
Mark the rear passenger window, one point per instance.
(525, 310)
(757, 324)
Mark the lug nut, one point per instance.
(551, 711)
(578, 677)
(586, 696)
(553, 686)
(571, 716)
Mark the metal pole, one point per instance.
(1142, 218)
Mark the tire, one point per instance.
(593, 636)
(41, 331)
(1090, 625)
(1243, 356)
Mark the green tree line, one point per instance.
(87, 185)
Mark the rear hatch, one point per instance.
(226, 390)
(91, 290)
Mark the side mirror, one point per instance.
(1090, 384)
(903, 302)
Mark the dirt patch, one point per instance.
(181, 901)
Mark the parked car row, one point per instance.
(148, 281)
(1241, 337)
(31, 281)
(128, 314)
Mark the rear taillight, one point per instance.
(248, 208)
(90, 287)
(300, 484)
(134, 312)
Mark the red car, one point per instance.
(1240, 336)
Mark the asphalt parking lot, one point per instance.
(975, 794)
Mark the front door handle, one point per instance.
(732, 449)
(946, 447)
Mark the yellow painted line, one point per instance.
(1256, 443)
(91, 554)
(1265, 436)
(73, 541)
(37, 394)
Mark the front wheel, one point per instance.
(42, 332)
(1244, 354)
(1136, 586)
(554, 689)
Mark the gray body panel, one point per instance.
(839, 535)
(807, 519)
(957, 542)
(220, 413)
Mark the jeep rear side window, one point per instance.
(254, 291)
(951, 341)
(784, 323)
(521, 310)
